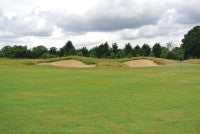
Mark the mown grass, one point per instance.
(105, 99)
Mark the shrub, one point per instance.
(48, 56)
(1, 55)
(29, 63)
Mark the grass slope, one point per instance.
(193, 61)
(86, 60)
(47, 99)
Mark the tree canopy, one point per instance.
(157, 50)
(68, 49)
(191, 43)
(38, 51)
(146, 50)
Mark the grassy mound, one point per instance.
(86, 60)
(109, 62)
(158, 61)
(192, 61)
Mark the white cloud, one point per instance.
(25, 24)
(91, 22)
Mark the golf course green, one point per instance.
(100, 100)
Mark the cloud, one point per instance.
(24, 24)
(189, 13)
(95, 21)
(131, 19)
(107, 16)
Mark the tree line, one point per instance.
(190, 48)
(101, 51)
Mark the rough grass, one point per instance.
(111, 62)
(193, 61)
(96, 61)
(86, 60)
(18, 62)
(47, 99)
(158, 61)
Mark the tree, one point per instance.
(53, 51)
(48, 56)
(128, 50)
(84, 52)
(29, 53)
(19, 51)
(176, 54)
(93, 52)
(15, 51)
(170, 46)
(120, 54)
(114, 50)
(146, 50)
(68, 49)
(38, 51)
(137, 51)
(164, 53)
(157, 50)
(7, 51)
(191, 43)
(179, 53)
(103, 51)
(1, 54)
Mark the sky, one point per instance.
(91, 22)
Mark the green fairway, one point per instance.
(105, 99)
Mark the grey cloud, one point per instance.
(152, 31)
(131, 19)
(30, 24)
(105, 23)
(189, 13)
(130, 14)
(177, 19)
(108, 16)
(185, 11)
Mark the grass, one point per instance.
(193, 61)
(110, 62)
(86, 60)
(105, 99)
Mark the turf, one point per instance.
(46, 99)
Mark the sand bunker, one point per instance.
(68, 63)
(140, 63)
